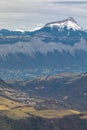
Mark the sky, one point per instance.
(33, 14)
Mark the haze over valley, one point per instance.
(43, 77)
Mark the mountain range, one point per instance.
(54, 100)
(59, 46)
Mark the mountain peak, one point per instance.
(71, 19)
(69, 23)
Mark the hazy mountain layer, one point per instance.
(60, 46)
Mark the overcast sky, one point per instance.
(30, 14)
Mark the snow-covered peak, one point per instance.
(69, 23)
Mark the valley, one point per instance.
(34, 100)
(55, 48)
(43, 78)
(49, 101)
(67, 88)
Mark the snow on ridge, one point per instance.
(69, 23)
(19, 30)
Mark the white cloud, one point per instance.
(36, 45)
(26, 14)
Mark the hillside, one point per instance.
(37, 123)
(42, 103)
(67, 88)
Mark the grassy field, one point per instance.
(23, 112)
(16, 110)
(53, 113)
(9, 103)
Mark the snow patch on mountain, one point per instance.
(19, 30)
(69, 23)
